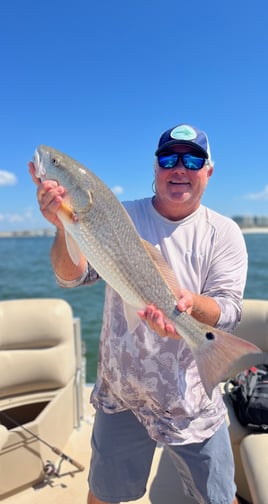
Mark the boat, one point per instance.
(46, 418)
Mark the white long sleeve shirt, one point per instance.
(157, 378)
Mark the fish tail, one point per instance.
(216, 359)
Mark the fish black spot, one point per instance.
(210, 336)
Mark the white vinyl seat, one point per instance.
(38, 386)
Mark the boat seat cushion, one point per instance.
(254, 454)
(254, 324)
(37, 348)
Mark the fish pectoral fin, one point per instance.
(66, 211)
(218, 355)
(72, 247)
(164, 268)
(132, 317)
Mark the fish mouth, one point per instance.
(40, 170)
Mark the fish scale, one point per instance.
(103, 232)
(118, 251)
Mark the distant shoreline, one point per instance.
(29, 233)
(51, 232)
(255, 230)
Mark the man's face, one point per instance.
(180, 188)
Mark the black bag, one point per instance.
(249, 393)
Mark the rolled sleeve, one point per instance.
(89, 276)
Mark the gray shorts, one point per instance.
(122, 453)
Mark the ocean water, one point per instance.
(25, 272)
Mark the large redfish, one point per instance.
(98, 225)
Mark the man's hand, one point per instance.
(156, 318)
(156, 321)
(49, 196)
(52, 197)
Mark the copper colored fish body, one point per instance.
(97, 225)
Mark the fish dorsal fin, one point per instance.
(163, 267)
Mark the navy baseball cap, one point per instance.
(184, 134)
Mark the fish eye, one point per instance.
(55, 161)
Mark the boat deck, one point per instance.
(71, 487)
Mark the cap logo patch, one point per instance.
(183, 132)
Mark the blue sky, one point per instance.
(101, 80)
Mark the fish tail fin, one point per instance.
(216, 359)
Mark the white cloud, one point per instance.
(7, 178)
(260, 196)
(12, 218)
(117, 189)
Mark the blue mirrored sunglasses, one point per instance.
(189, 161)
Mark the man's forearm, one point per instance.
(205, 309)
(61, 261)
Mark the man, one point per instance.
(148, 388)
